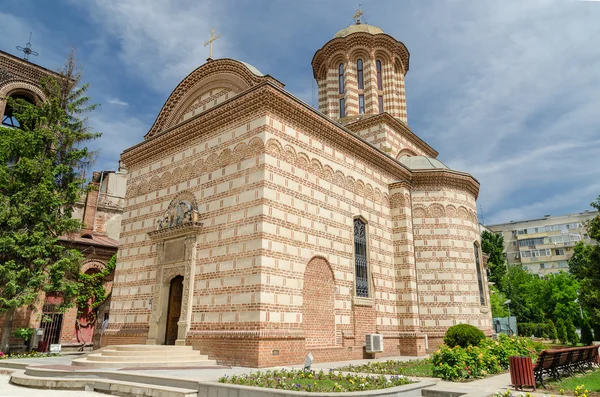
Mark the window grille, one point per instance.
(359, 68)
(360, 255)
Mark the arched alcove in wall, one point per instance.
(318, 319)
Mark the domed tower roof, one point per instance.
(358, 28)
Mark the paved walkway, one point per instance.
(481, 387)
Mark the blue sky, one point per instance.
(506, 90)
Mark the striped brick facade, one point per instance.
(269, 259)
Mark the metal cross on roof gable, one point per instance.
(27, 49)
(210, 42)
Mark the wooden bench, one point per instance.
(555, 363)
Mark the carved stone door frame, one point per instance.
(185, 237)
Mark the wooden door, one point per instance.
(175, 296)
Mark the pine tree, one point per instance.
(551, 330)
(561, 331)
(39, 186)
(572, 336)
(586, 333)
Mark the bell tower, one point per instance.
(360, 73)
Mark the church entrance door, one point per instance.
(174, 311)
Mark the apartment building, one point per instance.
(544, 245)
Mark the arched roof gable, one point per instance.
(222, 73)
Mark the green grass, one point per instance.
(418, 368)
(591, 380)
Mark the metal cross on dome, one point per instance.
(27, 49)
(358, 14)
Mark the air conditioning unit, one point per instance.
(374, 343)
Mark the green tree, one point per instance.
(551, 330)
(40, 165)
(521, 289)
(497, 300)
(492, 245)
(586, 333)
(572, 336)
(555, 295)
(585, 266)
(561, 331)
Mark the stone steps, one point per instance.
(131, 356)
(107, 386)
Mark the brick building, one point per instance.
(100, 211)
(258, 229)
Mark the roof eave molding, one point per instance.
(446, 178)
(264, 98)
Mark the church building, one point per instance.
(258, 229)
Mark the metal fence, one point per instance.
(51, 323)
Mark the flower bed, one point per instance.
(26, 355)
(393, 367)
(312, 381)
(489, 357)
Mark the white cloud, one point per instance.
(504, 90)
(508, 92)
(162, 41)
(117, 101)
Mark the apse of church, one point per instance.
(258, 229)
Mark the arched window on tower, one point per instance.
(379, 76)
(359, 69)
(341, 77)
(479, 274)
(360, 258)
(9, 119)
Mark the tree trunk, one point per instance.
(7, 330)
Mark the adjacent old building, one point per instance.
(100, 211)
(544, 245)
(258, 229)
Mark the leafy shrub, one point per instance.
(23, 333)
(463, 335)
(539, 330)
(490, 357)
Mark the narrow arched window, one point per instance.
(341, 78)
(479, 274)
(342, 108)
(359, 69)
(360, 258)
(380, 102)
(379, 77)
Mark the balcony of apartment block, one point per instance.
(538, 234)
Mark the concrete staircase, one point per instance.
(143, 356)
